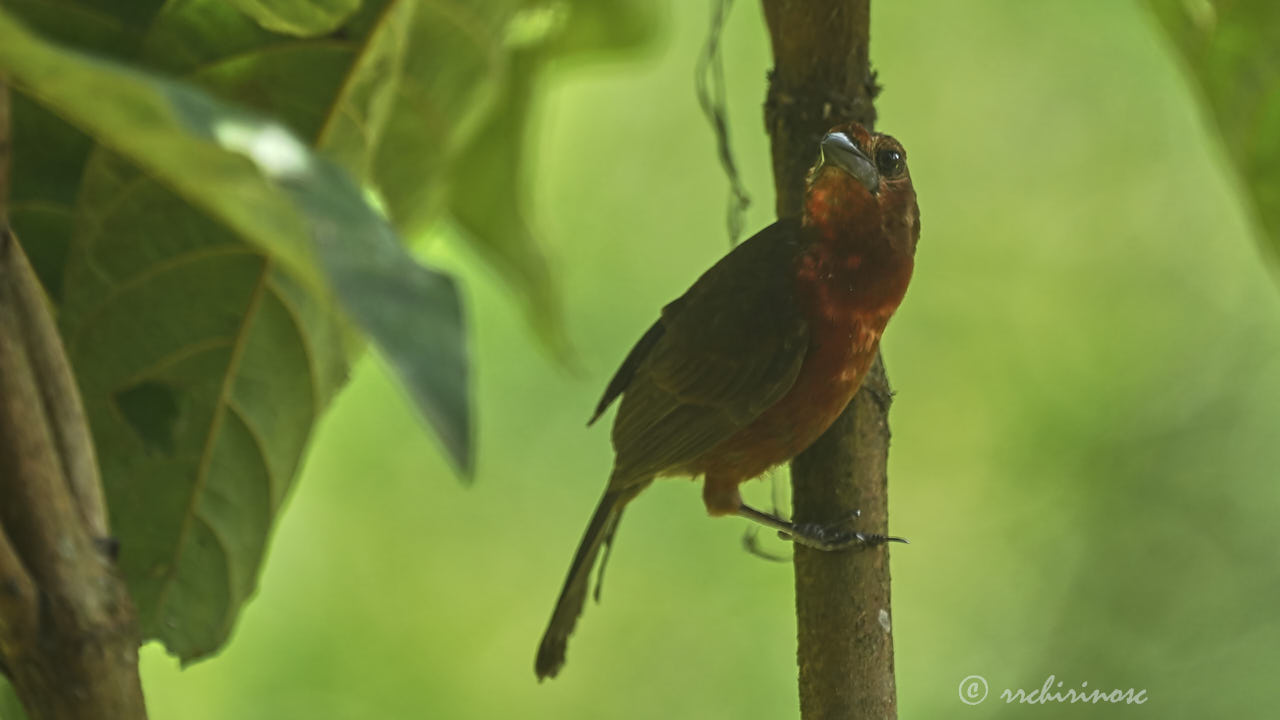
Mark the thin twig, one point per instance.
(710, 85)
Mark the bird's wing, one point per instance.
(627, 370)
(728, 349)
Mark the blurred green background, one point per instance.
(1085, 444)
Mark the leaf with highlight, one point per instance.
(212, 257)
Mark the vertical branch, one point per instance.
(821, 77)
(68, 632)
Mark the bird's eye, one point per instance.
(890, 162)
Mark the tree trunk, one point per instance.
(822, 77)
(68, 631)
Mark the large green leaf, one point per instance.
(51, 158)
(112, 29)
(226, 165)
(47, 163)
(208, 412)
(1232, 50)
(258, 180)
(205, 243)
(202, 411)
(424, 100)
(487, 197)
(406, 95)
(486, 189)
(391, 97)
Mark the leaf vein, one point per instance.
(295, 317)
(152, 271)
(174, 357)
(233, 607)
(215, 427)
(260, 446)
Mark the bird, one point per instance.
(759, 356)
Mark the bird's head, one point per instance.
(860, 190)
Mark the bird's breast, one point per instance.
(836, 361)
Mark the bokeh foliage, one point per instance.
(189, 178)
(1083, 437)
(1084, 444)
(1232, 54)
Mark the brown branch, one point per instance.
(821, 77)
(68, 632)
(60, 397)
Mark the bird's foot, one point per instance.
(829, 537)
(834, 537)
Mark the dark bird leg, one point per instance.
(820, 537)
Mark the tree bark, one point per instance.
(822, 77)
(68, 631)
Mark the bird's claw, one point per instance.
(833, 537)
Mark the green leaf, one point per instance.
(203, 366)
(487, 182)
(423, 100)
(403, 96)
(594, 28)
(113, 29)
(427, 75)
(183, 216)
(250, 174)
(304, 18)
(399, 100)
(47, 162)
(391, 97)
(1233, 58)
(486, 200)
(207, 151)
(52, 155)
(205, 245)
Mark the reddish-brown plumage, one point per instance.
(752, 364)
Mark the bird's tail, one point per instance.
(599, 533)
